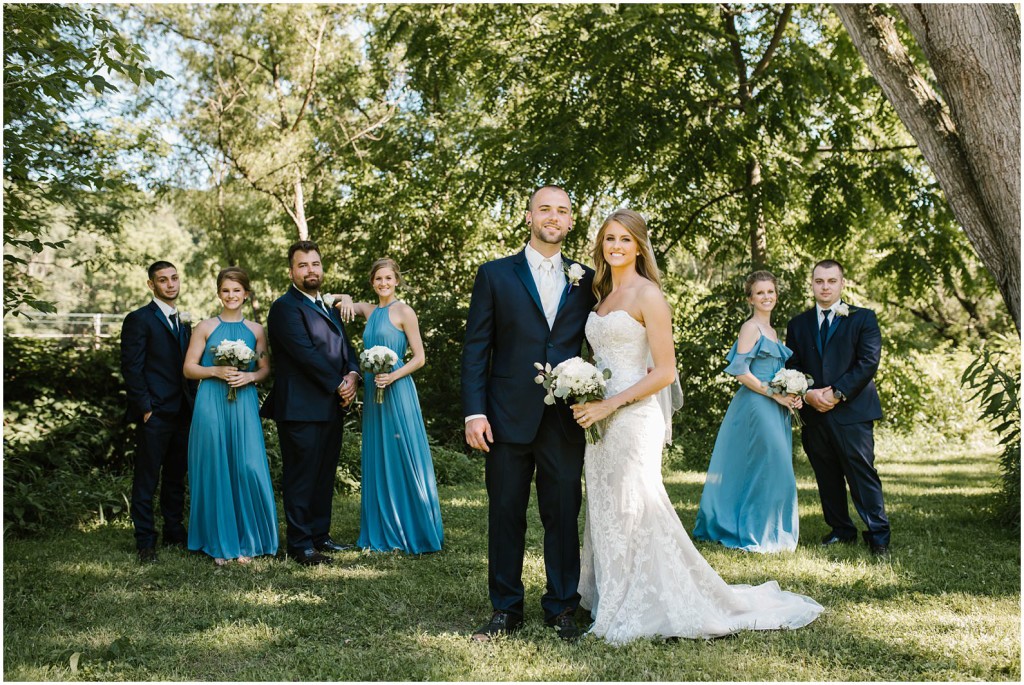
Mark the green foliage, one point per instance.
(57, 57)
(66, 445)
(995, 379)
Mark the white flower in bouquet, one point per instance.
(841, 309)
(233, 353)
(574, 273)
(790, 382)
(574, 381)
(378, 359)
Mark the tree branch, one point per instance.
(696, 213)
(780, 29)
(312, 74)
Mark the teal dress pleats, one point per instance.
(232, 511)
(399, 508)
(749, 499)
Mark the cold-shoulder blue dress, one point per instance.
(232, 512)
(399, 508)
(749, 500)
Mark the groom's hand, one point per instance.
(821, 399)
(478, 434)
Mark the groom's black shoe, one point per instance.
(330, 546)
(147, 555)
(309, 557)
(879, 550)
(565, 625)
(501, 623)
(835, 539)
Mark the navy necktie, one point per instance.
(174, 324)
(823, 330)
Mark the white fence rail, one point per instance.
(63, 325)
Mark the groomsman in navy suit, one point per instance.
(153, 344)
(316, 374)
(525, 308)
(840, 346)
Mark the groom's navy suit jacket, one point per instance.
(506, 332)
(152, 358)
(311, 355)
(847, 363)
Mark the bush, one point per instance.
(995, 379)
(67, 448)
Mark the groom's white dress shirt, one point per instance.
(549, 279)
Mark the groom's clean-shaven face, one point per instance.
(827, 284)
(549, 216)
(306, 271)
(165, 285)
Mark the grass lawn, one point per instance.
(946, 606)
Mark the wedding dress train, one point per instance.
(641, 575)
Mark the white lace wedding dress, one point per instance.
(641, 575)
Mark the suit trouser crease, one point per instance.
(510, 469)
(310, 451)
(840, 455)
(161, 457)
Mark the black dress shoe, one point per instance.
(565, 625)
(179, 543)
(836, 539)
(879, 550)
(331, 546)
(501, 623)
(310, 557)
(147, 555)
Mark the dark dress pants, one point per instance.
(510, 468)
(844, 455)
(309, 456)
(161, 446)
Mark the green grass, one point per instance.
(945, 607)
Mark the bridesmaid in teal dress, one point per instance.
(399, 509)
(749, 499)
(232, 514)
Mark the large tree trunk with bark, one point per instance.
(971, 139)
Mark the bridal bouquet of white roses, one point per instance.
(574, 381)
(377, 359)
(790, 382)
(233, 353)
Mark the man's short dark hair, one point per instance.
(159, 266)
(303, 246)
(529, 202)
(829, 264)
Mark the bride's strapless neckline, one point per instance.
(618, 311)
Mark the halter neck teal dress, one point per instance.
(399, 509)
(749, 499)
(232, 510)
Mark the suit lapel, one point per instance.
(312, 305)
(162, 319)
(566, 263)
(522, 269)
(837, 321)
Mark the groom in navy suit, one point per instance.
(153, 344)
(316, 374)
(840, 347)
(529, 307)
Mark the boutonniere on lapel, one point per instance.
(185, 318)
(573, 273)
(841, 309)
(328, 299)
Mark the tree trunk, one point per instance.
(300, 208)
(973, 148)
(755, 216)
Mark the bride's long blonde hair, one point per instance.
(646, 265)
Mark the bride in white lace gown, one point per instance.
(641, 576)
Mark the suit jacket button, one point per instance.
(550, 345)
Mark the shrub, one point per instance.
(995, 379)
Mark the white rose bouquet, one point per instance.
(790, 382)
(234, 353)
(378, 359)
(574, 381)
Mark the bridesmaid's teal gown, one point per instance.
(233, 512)
(749, 499)
(399, 508)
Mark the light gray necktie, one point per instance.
(549, 290)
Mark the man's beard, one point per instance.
(311, 282)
